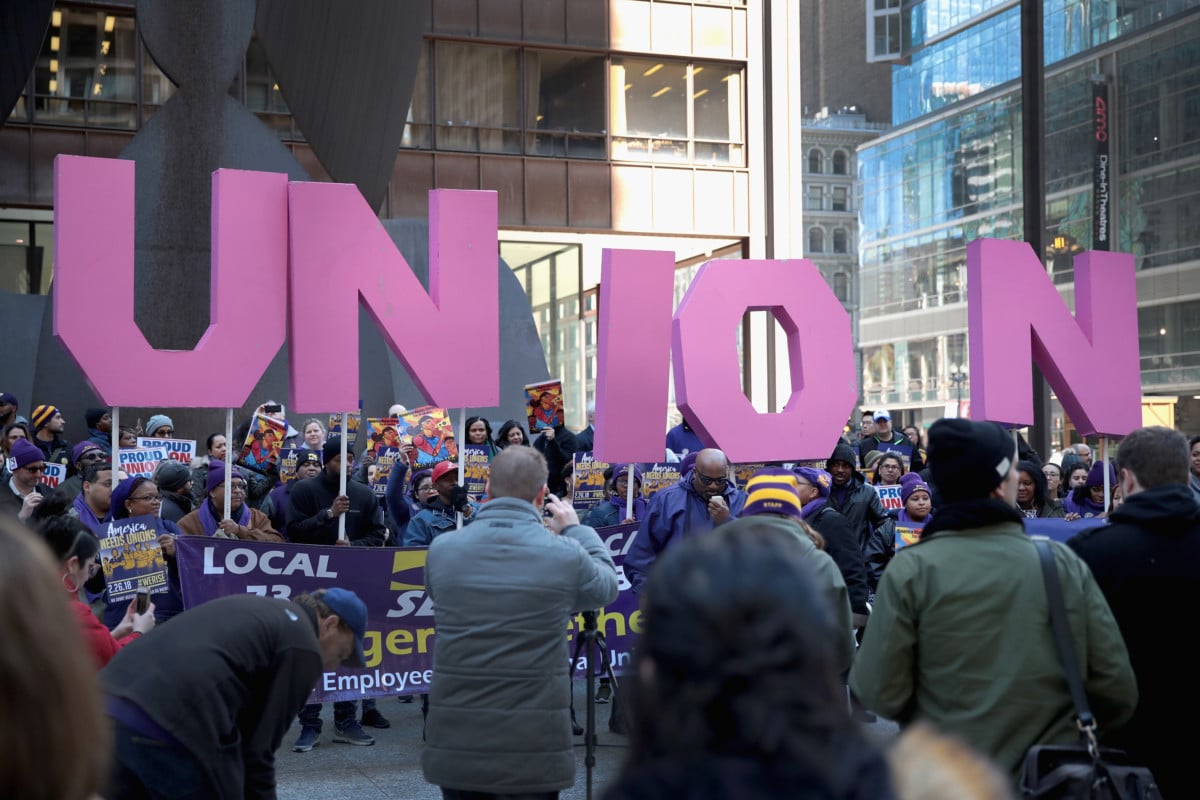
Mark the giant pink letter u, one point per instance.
(1016, 316)
(94, 249)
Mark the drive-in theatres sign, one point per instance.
(321, 240)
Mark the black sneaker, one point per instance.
(604, 692)
(353, 734)
(373, 719)
(308, 739)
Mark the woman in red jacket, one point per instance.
(75, 549)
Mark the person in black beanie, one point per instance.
(958, 634)
(174, 481)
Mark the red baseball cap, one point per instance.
(442, 468)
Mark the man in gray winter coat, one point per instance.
(503, 590)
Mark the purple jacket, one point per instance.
(673, 513)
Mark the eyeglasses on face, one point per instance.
(146, 498)
(707, 481)
(35, 468)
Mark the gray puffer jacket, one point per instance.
(503, 590)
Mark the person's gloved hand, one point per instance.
(459, 500)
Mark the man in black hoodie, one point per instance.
(860, 505)
(1147, 563)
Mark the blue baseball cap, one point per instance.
(353, 612)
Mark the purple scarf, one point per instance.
(639, 506)
(209, 522)
(812, 507)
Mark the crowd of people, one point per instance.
(776, 613)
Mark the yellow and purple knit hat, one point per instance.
(773, 491)
(41, 416)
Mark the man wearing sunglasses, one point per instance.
(24, 490)
(703, 499)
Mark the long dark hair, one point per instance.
(69, 536)
(894, 457)
(487, 428)
(1040, 487)
(502, 435)
(739, 645)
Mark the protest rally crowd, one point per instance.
(782, 605)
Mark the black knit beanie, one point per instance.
(968, 459)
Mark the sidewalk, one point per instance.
(391, 768)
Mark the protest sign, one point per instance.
(181, 450)
(380, 472)
(544, 405)
(907, 535)
(352, 426)
(1060, 529)
(391, 582)
(140, 460)
(588, 488)
(656, 477)
(476, 465)
(288, 461)
(263, 442)
(890, 497)
(383, 432)
(742, 473)
(53, 475)
(131, 557)
(432, 436)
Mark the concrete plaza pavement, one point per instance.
(390, 769)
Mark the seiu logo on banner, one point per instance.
(321, 240)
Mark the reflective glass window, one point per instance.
(478, 98)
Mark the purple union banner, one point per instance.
(391, 581)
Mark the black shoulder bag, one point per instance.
(1084, 770)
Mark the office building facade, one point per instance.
(950, 172)
(630, 123)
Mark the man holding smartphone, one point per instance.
(499, 721)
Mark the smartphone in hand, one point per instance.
(143, 600)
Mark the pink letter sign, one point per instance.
(1016, 317)
(94, 249)
(634, 353)
(704, 350)
(448, 339)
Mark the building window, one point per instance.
(86, 73)
(676, 112)
(840, 241)
(816, 161)
(478, 98)
(566, 115)
(816, 240)
(839, 199)
(816, 197)
(841, 287)
(883, 30)
(839, 162)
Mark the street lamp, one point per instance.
(958, 374)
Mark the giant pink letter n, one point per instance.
(94, 269)
(820, 352)
(448, 339)
(1017, 317)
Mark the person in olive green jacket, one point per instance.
(960, 632)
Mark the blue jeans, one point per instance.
(343, 713)
(145, 769)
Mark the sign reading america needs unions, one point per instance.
(398, 646)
